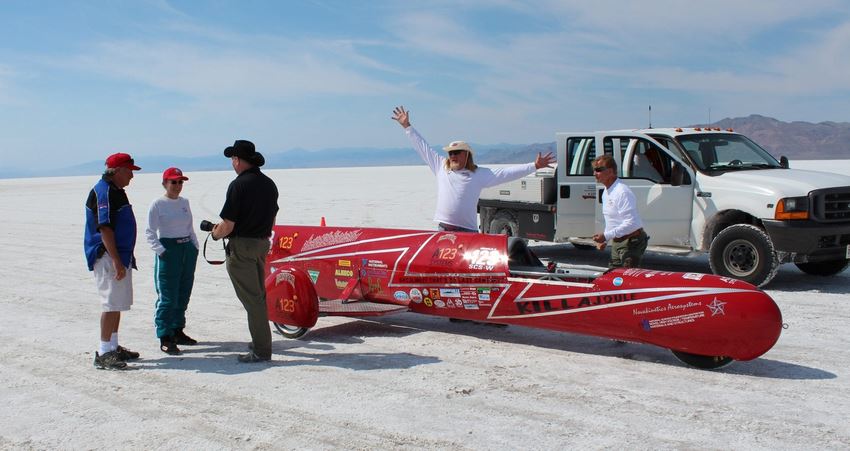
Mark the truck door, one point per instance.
(576, 186)
(662, 187)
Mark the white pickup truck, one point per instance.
(698, 190)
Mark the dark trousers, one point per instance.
(246, 265)
(174, 276)
(628, 253)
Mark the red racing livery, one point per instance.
(706, 320)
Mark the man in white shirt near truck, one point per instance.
(623, 226)
(459, 179)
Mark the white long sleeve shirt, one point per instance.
(458, 191)
(619, 207)
(169, 218)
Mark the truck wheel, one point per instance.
(503, 223)
(745, 252)
(828, 268)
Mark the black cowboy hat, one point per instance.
(246, 151)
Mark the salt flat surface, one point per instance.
(400, 382)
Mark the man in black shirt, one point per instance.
(247, 218)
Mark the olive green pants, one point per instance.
(628, 253)
(246, 266)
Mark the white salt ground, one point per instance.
(399, 382)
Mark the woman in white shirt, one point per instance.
(172, 237)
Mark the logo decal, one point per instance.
(717, 307)
(314, 275)
(330, 239)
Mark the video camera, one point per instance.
(206, 226)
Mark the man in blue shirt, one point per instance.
(110, 238)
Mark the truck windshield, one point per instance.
(725, 152)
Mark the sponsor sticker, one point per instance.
(416, 295)
(470, 306)
(401, 296)
(428, 302)
(618, 281)
(686, 318)
(692, 275)
(449, 292)
(345, 263)
(439, 304)
(344, 273)
(314, 275)
(378, 264)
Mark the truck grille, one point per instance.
(831, 204)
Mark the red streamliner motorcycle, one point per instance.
(707, 321)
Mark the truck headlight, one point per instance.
(792, 208)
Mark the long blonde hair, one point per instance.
(470, 164)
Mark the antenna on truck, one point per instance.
(650, 116)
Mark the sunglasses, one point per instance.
(176, 182)
(599, 168)
(455, 152)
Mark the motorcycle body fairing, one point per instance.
(360, 271)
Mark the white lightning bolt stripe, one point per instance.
(687, 290)
(560, 283)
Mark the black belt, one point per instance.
(453, 228)
(629, 236)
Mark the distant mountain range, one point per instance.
(795, 140)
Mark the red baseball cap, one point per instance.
(121, 160)
(173, 174)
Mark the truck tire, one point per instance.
(744, 252)
(828, 268)
(504, 223)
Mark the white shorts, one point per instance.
(115, 295)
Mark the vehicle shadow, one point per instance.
(568, 342)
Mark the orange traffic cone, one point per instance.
(322, 223)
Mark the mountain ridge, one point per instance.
(796, 140)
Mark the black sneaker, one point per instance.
(181, 338)
(109, 361)
(168, 346)
(126, 354)
(251, 358)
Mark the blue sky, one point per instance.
(82, 79)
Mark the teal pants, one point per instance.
(174, 276)
(246, 266)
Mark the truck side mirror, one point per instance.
(679, 176)
(783, 161)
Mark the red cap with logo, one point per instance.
(121, 160)
(173, 174)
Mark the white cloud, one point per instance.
(234, 74)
